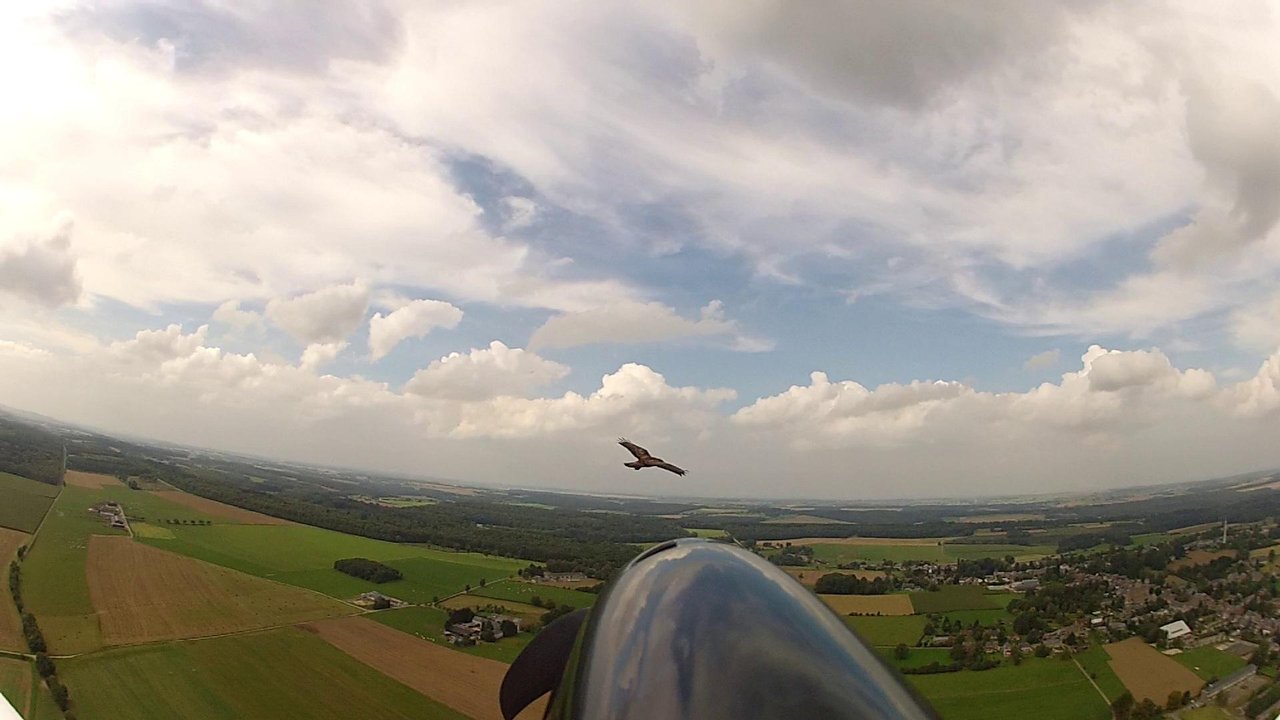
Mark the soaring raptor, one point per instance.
(644, 459)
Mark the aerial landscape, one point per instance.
(153, 581)
(710, 360)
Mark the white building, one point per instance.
(1175, 630)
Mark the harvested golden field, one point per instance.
(809, 576)
(1198, 557)
(466, 683)
(1147, 673)
(870, 604)
(10, 627)
(142, 594)
(213, 508)
(76, 478)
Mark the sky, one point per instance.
(828, 249)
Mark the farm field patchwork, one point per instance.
(283, 673)
(869, 604)
(10, 626)
(143, 594)
(959, 597)
(1014, 691)
(1209, 662)
(427, 623)
(1095, 663)
(54, 582)
(887, 630)
(525, 592)
(1149, 674)
(303, 555)
(465, 683)
(24, 502)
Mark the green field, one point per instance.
(988, 617)
(1094, 661)
(1207, 713)
(303, 555)
(1044, 689)
(1150, 538)
(16, 680)
(427, 623)
(917, 657)
(54, 584)
(887, 630)
(951, 598)
(839, 553)
(523, 592)
(276, 674)
(24, 502)
(1210, 663)
(706, 532)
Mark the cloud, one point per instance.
(485, 373)
(412, 320)
(154, 347)
(317, 355)
(1257, 326)
(324, 316)
(1113, 390)
(637, 323)
(230, 315)
(1258, 396)
(42, 271)
(633, 399)
(1040, 361)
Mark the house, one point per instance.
(1175, 630)
(559, 577)
(1025, 585)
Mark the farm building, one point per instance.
(559, 577)
(1175, 630)
(1025, 585)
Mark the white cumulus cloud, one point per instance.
(485, 373)
(325, 316)
(412, 320)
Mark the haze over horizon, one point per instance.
(894, 250)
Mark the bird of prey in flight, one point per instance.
(644, 459)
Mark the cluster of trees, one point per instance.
(793, 556)
(1124, 708)
(36, 642)
(180, 521)
(30, 452)
(1262, 700)
(367, 569)
(842, 584)
(983, 566)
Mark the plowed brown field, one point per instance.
(76, 478)
(1147, 673)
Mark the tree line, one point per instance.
(30, 452)
(36, 642)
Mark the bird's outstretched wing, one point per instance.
(635, 449)
(671, 468)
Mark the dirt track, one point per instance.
(466, 683)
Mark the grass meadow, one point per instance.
(284, 673)
(303, 555)
(24, 502)
(1045, 689)
(1209, 662)
(887, 631)
(951, 598)
(523, 592)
